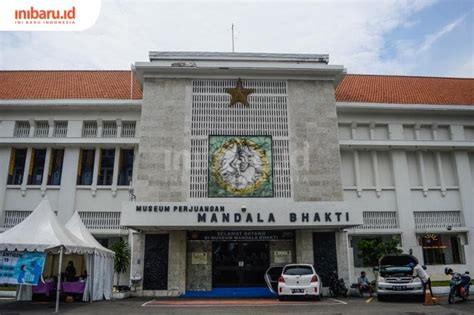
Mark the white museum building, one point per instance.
(215, 166)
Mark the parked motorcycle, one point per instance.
(458, 286)
(336, 285)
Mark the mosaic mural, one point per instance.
(240, 166)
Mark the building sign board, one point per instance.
(227, 213)
(199, 258)
(282, 256)
(240, 235)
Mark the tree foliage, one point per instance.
(122, 257)
(370, 250)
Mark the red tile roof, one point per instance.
(67, 85)
(116, 85)
(405, 90)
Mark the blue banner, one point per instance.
(21, 267)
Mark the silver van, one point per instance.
(395, 277)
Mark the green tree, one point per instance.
(370, 250)
(122, 258)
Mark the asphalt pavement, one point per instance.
(356, 306)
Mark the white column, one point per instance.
(47, 162)
(466, 190)
(51, 127)
(421, 167)
(5, 154)
(95, 174)
(403, 195)
(67, 192)
(119, 128)
(116, 170)
(26, 171)
(32, 127)
(99, 128)
(357, 173)
(375, 168)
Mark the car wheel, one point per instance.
(317, 298)
(381, 298)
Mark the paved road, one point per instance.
(352, 306)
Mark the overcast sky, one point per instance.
(426, 37)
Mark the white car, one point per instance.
(296, 280)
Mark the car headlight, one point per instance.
(380, 279)
(417, 280)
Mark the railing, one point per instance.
(60, 129)
(89, 129)
(101, 220)
(379, 220)
(41, 129)
(437, 219)
(22, 129)
(128, 129)
(109, 129)
(14, 217)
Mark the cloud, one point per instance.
(353, 33)
(432, 38)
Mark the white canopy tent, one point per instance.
(100, 265)
(42, 232)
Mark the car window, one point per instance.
(298, 270)
(275, 272)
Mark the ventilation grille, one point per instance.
(437, 219)
(22, 129)
(101, 220)
(41, 129)
(267, 114)
(60, 129)
(378, 220)
(14, 217)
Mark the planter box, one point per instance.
(120, 295)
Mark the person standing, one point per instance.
(419, 272)
(70, 272)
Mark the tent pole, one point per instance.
(90, 277)
(58, 289)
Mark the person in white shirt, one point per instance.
(419, 272)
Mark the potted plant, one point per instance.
(121, 263)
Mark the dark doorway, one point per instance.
(325, 257)
(155, 269)
(239, 264)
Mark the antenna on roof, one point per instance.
(233, 48)
(131, 81)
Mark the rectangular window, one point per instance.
(17, 166)
(35, 174)
(125, 167)
(55, 167)
(106, 167)
(86, 167)
(442, 249)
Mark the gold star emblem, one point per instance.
(239, 94)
